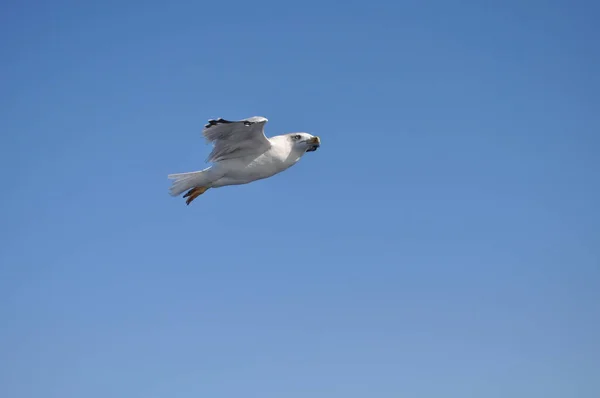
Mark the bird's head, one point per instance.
(305, 142)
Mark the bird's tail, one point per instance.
(184, 181)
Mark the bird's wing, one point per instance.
(234, 139)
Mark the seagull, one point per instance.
(242, 154)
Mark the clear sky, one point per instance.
(443, 242)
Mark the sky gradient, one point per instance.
(444, 241)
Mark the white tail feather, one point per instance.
(185, 181)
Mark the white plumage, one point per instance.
(242, 154)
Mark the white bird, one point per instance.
(242, 154)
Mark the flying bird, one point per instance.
(242, 154)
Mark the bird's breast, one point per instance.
(267, 164)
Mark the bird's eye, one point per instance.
(296, 137)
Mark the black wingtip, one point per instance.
(214, 122)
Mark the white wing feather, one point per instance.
(234, 139)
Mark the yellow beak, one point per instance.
(315, 140)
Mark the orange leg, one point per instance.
(194, 193)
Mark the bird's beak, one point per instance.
(314, 143)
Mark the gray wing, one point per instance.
(234, 139)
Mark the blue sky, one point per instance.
(444, 241)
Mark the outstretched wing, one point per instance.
(234, 139)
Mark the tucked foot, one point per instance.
(194, 193)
